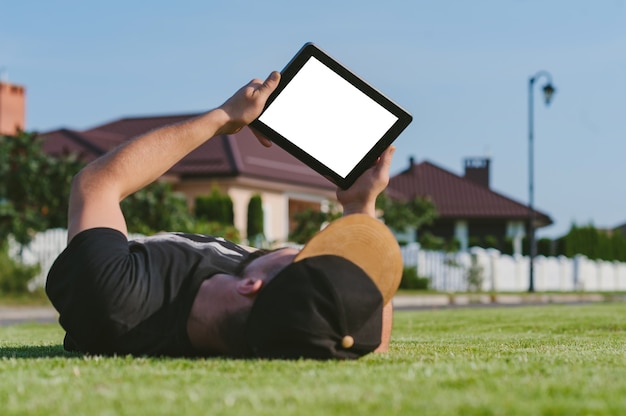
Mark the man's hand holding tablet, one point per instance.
(329, 118)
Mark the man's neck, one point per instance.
(203, 320)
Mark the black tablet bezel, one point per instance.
(289, 72)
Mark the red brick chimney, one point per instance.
(12, 108)
(477, 170)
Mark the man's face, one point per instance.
(231, 296)
(268, 265)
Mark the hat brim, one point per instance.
(366, 242)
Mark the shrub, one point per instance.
(507, 247)
(453, 245)
(411, 280)
(229, 232)
(254, 228)
(474, 242)
(14, 276)
(428, 241)
(544, 247)
(491, 241)
(596, 244)
(215, 207)
(156, 208)
(309, 222)
(474, 275)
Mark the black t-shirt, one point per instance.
(134, 297)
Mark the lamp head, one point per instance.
(548, 92)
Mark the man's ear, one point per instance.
(249, 286)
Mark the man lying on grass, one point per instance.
(193, 295)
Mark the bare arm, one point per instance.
(100, 187)
(360, 198)
(387, 325)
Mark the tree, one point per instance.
(254, 227)
(34, 187)
(594, 243)
(157, 208)
(215, 207)
(309, 222)
(400, 215)
(214, 215)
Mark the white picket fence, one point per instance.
(447, 271)
(502, 273)
(43, 250)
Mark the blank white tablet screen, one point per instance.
(327, 117)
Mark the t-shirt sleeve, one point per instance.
(86, 280)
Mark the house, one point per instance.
(237, 164)
(467, 208)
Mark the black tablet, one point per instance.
(329, 118)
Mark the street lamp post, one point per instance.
(548, 91)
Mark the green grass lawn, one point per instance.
(535, 360)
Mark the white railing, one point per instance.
(502, 273)
(447, 271)
(43, 250)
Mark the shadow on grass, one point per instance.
(36, 351)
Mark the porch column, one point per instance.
(461, 233)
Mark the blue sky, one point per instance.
(460, 67)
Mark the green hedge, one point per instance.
(254, 228)
(14, 276)
(215, 207)
(411, 280)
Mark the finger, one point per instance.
(261, 138)
(270, 83)
(384, 161)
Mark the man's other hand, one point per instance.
(360, 198)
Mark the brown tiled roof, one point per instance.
(457, 197)
(126, 128)
(64, 141)
(272, 163)
(224, 156)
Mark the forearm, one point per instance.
(144, 159)
(385, 337)
(368, 208)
